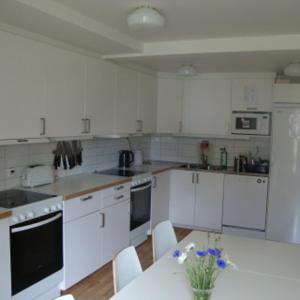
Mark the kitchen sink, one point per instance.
(201, 167)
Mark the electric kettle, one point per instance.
(126, 158)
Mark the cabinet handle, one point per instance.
(86, 198)
(154, 182)
(84, 126)
(43, 120)
(118, 188)
(119, 197)
(22, 141)
(103, 220)
(193, 178)
(197, 178)
(88, 125)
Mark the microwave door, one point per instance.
(245, 125)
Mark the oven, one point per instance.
(140, 205)
(36, 250)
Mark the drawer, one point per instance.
(121, 188)
(116, 198)
(81, 206)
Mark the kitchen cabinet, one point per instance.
(182, 197)
(147, 103)
(252, 94)
(125, 114)
(22, 87)
(100, 96)
(196, 199)
(115, 229)
(209, 200)
(65, 93)
(207, 106)
(160, 196)
(169, 105)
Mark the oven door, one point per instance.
(36, 250)
(245, 124)
(140, 205)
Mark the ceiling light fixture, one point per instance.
(145, 18)
(292, 69)
(187, 70)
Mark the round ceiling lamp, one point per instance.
(145, 18)
(292, 69)
(187, 70)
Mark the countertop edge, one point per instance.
(5, 214)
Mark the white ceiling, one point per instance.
(196, 19)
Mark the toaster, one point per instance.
(37, 175)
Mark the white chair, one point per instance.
(163, 239)
(126, 267)
(66, 297)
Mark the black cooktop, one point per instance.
(120, 172)
(14, 198)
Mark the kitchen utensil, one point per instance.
(126, 158)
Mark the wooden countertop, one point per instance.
(5, 213)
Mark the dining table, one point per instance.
(265, 270)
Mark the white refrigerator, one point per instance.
(283, 218)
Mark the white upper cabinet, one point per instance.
(126, 101)
(252, 94)
(100, 95)
(22, 88)
(65, 93)
(147, 103)
(169, 105)
(207, 106)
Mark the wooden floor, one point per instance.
(99, 285)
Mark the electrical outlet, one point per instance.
(10, 173)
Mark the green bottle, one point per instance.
(223, 158)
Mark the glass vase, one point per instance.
(201, 294)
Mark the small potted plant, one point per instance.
(203, 266)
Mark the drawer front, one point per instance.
(81, 206)
(121, 188)
(116, 198)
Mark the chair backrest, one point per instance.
(66, 297)
(126, 267)
(163, 239)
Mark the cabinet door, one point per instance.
(65, 85)
(169, 105)
(126, 101)
(116, 230)
(252, 94)
(100, 95)
(160, 198)
(22, 87)
(147, 102)
(207, 106)
(82, 243)
(182, 197)
(209, 200)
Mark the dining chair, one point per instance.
(66, 297)
(126, 267)
(163, 239)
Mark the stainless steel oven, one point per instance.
(36, 250)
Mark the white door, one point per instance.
(22, 87)
(65, 86)
(82, 246)
(182, 197)
(245, 201)
(100, 95)
(252, 94)
(169, 105)
(115, 231)
(209, 200)
(207, 106)
(126, 104)
(147, 102)
(160, 196)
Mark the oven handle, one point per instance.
(141, 188)
(35, 225)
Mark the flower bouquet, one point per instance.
(203, 266)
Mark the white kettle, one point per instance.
(138, 157)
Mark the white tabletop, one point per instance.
(267, 270)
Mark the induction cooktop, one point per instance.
(120, 172)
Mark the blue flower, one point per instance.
(221, 263)
(201, 253)
(218, 252)
(176, 253)
(214, 252)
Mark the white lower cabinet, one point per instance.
(196, 199)
(160, 196)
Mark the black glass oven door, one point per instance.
(140, 208)
(36, 250)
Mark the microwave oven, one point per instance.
(251, 123)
